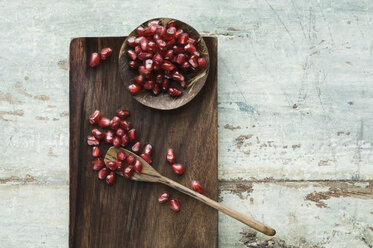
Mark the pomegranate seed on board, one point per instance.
(114, 123)
(117, 141)
(98, 164)
(125, 140)
(134, 89)
(173, 91)
(94, 60)
(148, 149)
(110, 179)
(147, 158)
(95, 117)
(170, 156)
(196, 186)
(164, 197)
(121, 156)
(178, 169)
(132, 135)
(136, 147)
(175, 205)
(98, 134)
(104, 122)
(105, 53)
(128, 172)
(126, 125)
(96, 152)
(123, 114)
(138, 166)
(111, 165)
(109, 137)
(102, 174)
(130, 159)
(120, 132)
(92, 141)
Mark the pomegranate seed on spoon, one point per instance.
(146, 157)
(123, 114)
(138, 166)
(117, 141)
(125, 140)
(111, 165)
(130, 159)
(105, 53)
(121, 156)
(128, 172)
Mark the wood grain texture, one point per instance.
(128, 214)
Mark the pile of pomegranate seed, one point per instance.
(95, 57)
(160, 54)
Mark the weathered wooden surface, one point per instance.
(295, 107)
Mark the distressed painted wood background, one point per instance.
(295, 114)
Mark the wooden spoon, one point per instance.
(149, 174)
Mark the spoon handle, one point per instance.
(231, 212)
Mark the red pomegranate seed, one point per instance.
(152, 46)
(126, 125)
(144, 44)
(167, 65)
(102, 174)
(182, 84)
(97, 164)
(173, 91)
(136, 147)
(139, 79)
(95, 117)
(157, 59)
(120, 132)
(117, 141)
(123, 114)
(180, 58)
(163, 198)
(156, 89)
(178, 33)
(169, 55)
(128, 172)
(131, 41)
(170, 33)
(170, 156)
(125, 140)
(197, 54)
(178, 77)
(156, 37)
(170, 43)
(148, 85)
(110, 179)
(140, 31)
(154, 22)
(121, 156)
(112, 165)
(160, 31)
(165, 85)
(104, 122)
(183, 38)
(130, 159)
(134, 64)
(196, 186)
(134, 89)
(174, 205)
(98, 134)
(149, 31)
(96, 152)
(178, 49)
(120, 165)
(201, 63)
(105, 53)
(114, 123)
(109, 137)
(147, 158)
(143, 71)
(190, 48)
(147, 149)
(95, 60)
(178, 169)
(138, 49)
(138, 166)
(145, 55)
(132, 135)
(161, 44)
(171, 23)
(139, 39)
(191, 41)
(92, 141)
(193, 61)
(159, 78)
(149, 64)
(131, 54)
(185, 65)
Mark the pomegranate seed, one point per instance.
(191, 41)
(128, 172)
(134, 64)
(160, 31)
(143, 71)
(96, 152)
(102, 174)
(161, 44)
(178, 33)
(147, 158)
(182, 84)
(180, 58)
(105, 53)
(197, 54)
(136, 147)
(149, 31)
(138, 49)
(156, 37)
(178, 77)
(95, 117)
(158, 58)
(178, 169)
(196, 186)
(125, 140)
(145, 55)
(109, 137)
(123, 114)
(126, 125)
(193, 61)
(174, 205)
(117, 141)
(98, 134)
(183, 38)
(173, 91)
(165, 85)
(138, 166)
(190, 48)
(139, 39)
(110, 179)
(169, 55)
(171, 23)
(130, 159)
(111, 165)
(144, 44)
(152, 46)
(170, 43)
(178, 49)
(104, 122)
(120, 132)
(134, 89)
(114, 123)
(154, 22)
(167, 65)
(140, 31)
(95, 60)
(120, 165)
(121, 156)
(131, 54)
(170, 156)
(159, 78)
(185, 65)
(131, 41)
(97, 164)
(132, 135)
(156, 89)
(201, 63)
(148, 85)
(139, 79)
(163, 198)
(147, 149)
(170, 33)
(149, 64)
(92, 141)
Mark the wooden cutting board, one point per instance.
(127, 214)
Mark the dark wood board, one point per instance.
(127, 214)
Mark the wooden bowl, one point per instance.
(194, 80)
